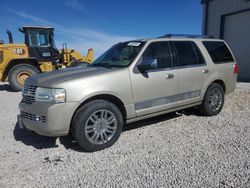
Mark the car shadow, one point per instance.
(30, 138)
(6, 87)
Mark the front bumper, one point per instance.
(47, 119)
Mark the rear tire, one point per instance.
(213, 100)
(97, 125)
(19, 73)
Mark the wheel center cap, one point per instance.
(101, 125)
(214, 100)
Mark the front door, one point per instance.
(157, 88)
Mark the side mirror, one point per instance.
(147, 64)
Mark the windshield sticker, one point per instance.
(134, 44)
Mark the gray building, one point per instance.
(230, 20)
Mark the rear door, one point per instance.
(156, 89)
(193, 71)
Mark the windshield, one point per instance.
(40, 38)
(120, 55)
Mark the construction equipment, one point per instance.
(36, 55)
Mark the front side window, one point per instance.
(159, 54)
(38, 38)
(186, 53)
(218, 51)
(120, 55)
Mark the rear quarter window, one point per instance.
(218, 51)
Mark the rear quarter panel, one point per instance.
(222, 71)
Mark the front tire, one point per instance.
(18, 75)
(97, 125)
(213, 100)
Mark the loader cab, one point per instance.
(40, 43)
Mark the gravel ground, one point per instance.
(179, 150)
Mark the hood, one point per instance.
(58, 76)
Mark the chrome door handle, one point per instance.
(169, 76)
(205, 71)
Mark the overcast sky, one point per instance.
(98, 24)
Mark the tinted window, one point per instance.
(199, 55)
(186, 53)
(42, 40)
(38, 38)
(218, 51)
(158, 51)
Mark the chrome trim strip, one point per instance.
(166, 100)
(162, 112)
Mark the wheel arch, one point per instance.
(108, 97)
(220, 82)
(217, 80)
(14, 62)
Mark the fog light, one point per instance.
(38, 118)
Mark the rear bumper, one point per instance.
(47, 119)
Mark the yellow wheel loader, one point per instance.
(36, 55)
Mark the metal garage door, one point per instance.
(237, 35)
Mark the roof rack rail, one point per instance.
(187, 36)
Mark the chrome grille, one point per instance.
(33, 117)
(29, 89)
(29, 92)
(28, 99)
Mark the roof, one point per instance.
(186, 36)
(179, 37)
(37, 27)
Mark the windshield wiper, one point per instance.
(105, 65)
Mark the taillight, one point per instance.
(236, 69)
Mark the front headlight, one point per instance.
(50, 95)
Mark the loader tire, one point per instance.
(19, 73)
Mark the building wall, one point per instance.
(230, 20)
(217, 8)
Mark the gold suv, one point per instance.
(131, 81)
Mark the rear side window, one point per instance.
(160, 52)
(199, 55)
(218, 51)
(188, 53)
